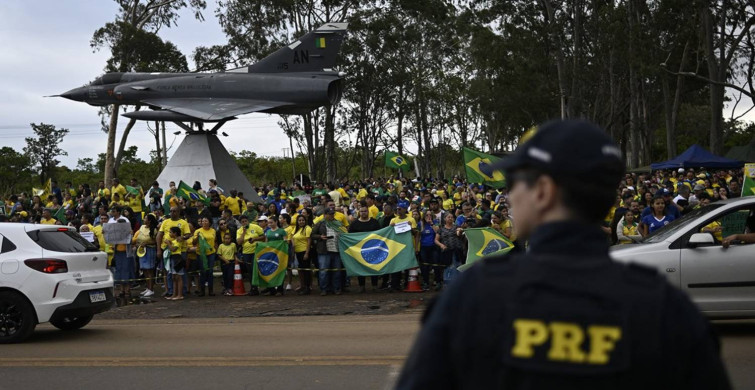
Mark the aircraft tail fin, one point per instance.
(314, 52)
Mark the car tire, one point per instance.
(17, 318)
(71, 323)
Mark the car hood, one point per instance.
(635, 252)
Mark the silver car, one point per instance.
(721, 281)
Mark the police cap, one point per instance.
(569, 149)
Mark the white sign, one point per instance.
(89, 236)
(402, 227)
(117, 233)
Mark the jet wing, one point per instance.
(212, 109)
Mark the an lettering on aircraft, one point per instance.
(184, 87)
(301, 56)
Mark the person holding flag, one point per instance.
(325, 234)
(204, 238)
(247, 237)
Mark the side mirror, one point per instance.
(701, 239)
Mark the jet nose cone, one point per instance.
(77, 94)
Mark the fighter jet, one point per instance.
(296, 79)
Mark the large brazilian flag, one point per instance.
(485, 242)
(270, 262)
(377, 253)
(478, 167)
(748, 186)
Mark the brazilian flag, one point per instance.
(485, 242)
(270, 262)
(479, 170)
(60, 215)
(377, 253)
(188, 193)
(396, 161)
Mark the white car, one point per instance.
(49, 273)
(721, 281)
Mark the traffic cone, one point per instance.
(412, 284)
(238, 282)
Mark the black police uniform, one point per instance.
(614, 326)
(563, 315)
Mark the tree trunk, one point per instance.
(311, 162)
(330, 144)
(109, 160)
(553, 37)
(158, 151)
(165, 145)
(122, 145)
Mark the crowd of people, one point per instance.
(310, 218)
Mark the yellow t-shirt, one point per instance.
(300, 239)
(174, 243)
(97, 230)
(361, 194)
(373, 211)
(233, 205)
(338, 216)
(141, 237)
(717, 234)
(227, 253)
(629, 230)
(103, 193)
(448, 204)
(289, 231)
(68, 204)
(344, 195)
(181, 224)
(209, 236)
(51, 221)
(135, 202)
(457, 198)
(120, 190)
(507, 224)
(252, 231)
(408, 218)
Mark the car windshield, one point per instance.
(673, 227)
(61, 240)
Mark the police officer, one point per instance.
(563, 315)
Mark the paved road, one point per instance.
(312, 352)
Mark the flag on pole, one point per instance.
(478, 167)
(748, 186)
(377, 253)
(41, 192)
(188, 193)
(396, 161)
(270, 263)
(485, 242)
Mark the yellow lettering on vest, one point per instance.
(602, 340)
(528, 334)
(565, 341)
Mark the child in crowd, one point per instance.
(228, 259)
(177, 263)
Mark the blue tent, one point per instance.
(697, 157)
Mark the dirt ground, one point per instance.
(290, 304)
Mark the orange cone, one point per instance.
(238, 282)
(412, 284)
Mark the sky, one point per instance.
(44, 50)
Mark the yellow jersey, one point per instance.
(301, 239)
(251, 231)
(181, 224)
(209, 236)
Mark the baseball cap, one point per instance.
(403, 204)
(698, 187)
(433, 200)
(591, 154)
(262, 218)
(663, 192)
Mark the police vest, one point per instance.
(554, 324)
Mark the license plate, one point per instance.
(97, 296)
